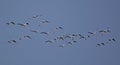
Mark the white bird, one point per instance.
(24, 24)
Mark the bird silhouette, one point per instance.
(105, 30)
(49, 41)
(25, 36)
(70, 43)
(92, 33)
(23, 25)
(60, 27)
(111, 39)
(82, 37)
(60, 37)
(45, 33)
(12, 41)
(98, 44)
(62, 46)
(43, 22)
(35, 31)
(8, 23)
(35, 16)
(103, 44)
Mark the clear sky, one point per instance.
(76, 16)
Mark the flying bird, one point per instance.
(67, 36)
(9, 42)
(103, 43)
(62, 46)
(26, 36)
(70, 43)
(74, 41)
(60, 27)
(35, 16)
(79, 34)
(8, 23)
(12, 41)
(60, 37)
(43, 22)
(49, 41)
(35, 31)
(46, 33)
(111, 39)
(92, 33)
(98, 44)
(24, 24)
(75, 35)
(105, 30)
(82, 37)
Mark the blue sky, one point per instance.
(76, 16)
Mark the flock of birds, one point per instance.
(68, 39)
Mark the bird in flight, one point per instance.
(60, 27)
(98, 44)
(49, 41)
(111, 39)
(45, 33)
(12, 41)
(34, 31)
(35, 16)
(25, 36)
(82, 37)
(105, 30)
(23, 25)
(43, 22)
(92, 33)
(8, 23)
(102, 43)
(62, 46)
(60, 37)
